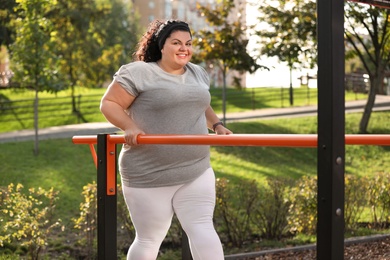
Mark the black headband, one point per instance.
(167, 28)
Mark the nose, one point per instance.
(183, 47)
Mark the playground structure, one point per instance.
(330, 143)
(106, 162)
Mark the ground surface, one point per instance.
(373, 250)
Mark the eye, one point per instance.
(189, 43)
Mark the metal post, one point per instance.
(106, 192)
(185, 247)
(331, 125)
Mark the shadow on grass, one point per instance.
(275, 161)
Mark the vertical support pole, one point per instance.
(185, 247)
(331, 126)
(107, 207)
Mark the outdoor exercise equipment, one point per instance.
(105, 159)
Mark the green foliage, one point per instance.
(303, 208)
(69, 168)
(27, 218)
(290, 34)
(87, 221)
(7, 11)
(372, 49)
(16, 106)
(90, 49)
(272, 209)
(355, 200)
(225, 44)
(379, 198)
(33, 60)
(234, 208)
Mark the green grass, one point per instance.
(55, 108)
(68, 167)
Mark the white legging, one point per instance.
(152, 209)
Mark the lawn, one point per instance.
(17, 106)
(68, 167)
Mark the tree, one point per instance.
(115, 47)
(225, 44)
(289, 34)
(89, 48)
(34, 63)
(368, 32)
(7, 11)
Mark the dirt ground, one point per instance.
(372, 250)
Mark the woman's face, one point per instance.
(177, 50)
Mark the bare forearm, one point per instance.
(211, 117)
(214, 123)
(115, 114)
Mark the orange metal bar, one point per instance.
(281, 140)
(111, 168)
(276, 140)
(93, 153)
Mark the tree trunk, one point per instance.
(224, 95)
(374, 84)
(36, 145)
(291, 88)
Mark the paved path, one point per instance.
(67, 131)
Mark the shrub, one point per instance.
(272, 208)
(87, 221)
(355, 200)
(234, 207)
(379, 198)
(303, 208)
(28, 218)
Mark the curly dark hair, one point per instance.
(147, 48)
(150, 45)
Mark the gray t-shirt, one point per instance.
(165, 104)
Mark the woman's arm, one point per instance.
(113, 105)
(213, 120)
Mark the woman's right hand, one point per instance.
(131, 135)
(113, 105)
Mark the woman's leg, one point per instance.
(151, 213)
(194, 206)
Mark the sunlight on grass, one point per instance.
(68, 167)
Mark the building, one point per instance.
(186, 10)
(171, 9)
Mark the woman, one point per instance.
(163, 93)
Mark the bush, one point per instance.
(28, 219)
(234, 207)
(272, 208)
(379, 198)
(303, 208)
(355, 200)
(87, 221)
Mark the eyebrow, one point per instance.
(175, 39)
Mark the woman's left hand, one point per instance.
(222, 130)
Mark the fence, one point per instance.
(82, 108)
(49, 108)
(106, 163)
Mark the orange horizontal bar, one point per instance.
(281, 140)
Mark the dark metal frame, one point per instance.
(331, 129)
(331, 148)
(107, 198)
